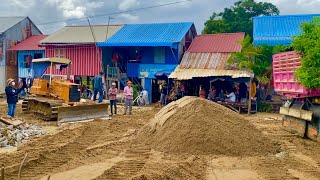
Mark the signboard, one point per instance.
(148, 70)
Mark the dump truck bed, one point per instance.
(284, 67)
(302, 113)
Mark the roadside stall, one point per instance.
(205, 69)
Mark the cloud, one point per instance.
(78, 12)
(128, 4)
(70, 8)
(129, 17)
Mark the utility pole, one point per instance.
(109, 19)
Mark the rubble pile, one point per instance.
(12, 136)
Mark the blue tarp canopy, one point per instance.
(39, 68)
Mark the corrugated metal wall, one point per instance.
(2, 79)
(22, 71)
(2, 57)
(85, 60)
(15, 34)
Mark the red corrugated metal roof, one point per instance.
(206, 65)
(214, 61)
(29, 44)
(217, 43)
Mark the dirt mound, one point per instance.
(197, 126)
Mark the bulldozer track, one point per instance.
(36, 106)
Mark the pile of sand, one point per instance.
(197, 126)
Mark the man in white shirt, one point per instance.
(231, 97)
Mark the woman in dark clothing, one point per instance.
(12, 96)
(243, 92)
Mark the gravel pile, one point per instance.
(12, 136)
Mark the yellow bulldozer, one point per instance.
(59, 99)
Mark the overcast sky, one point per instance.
(42, 12)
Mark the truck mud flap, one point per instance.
(82, 113)
(313, 130)
(295, 125)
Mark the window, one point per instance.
(159, 55)
(27, 59)
(60, 53)
(37, 56)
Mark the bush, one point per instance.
(264, 107)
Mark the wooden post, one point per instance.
(107, 77)
(50, 73)
(118, 77)
(2, 172)
(21, 165)
(68, 71)
(250, 96)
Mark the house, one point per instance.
(78, 43)
(13, 30)
(208, 56)
(26, 51)
(278, 30)
(205, 65)
(138, 51)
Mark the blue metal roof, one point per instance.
(161, 34)
(278, 30)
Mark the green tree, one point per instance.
(308, 45)
(239, 18)
(257, 59)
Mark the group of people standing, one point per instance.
(12, 94)
(98, 87)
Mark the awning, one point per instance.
(53, 60)
(164, 74)
(150, 70)
(187, 74)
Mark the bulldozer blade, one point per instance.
(295, 125)
(313, 130)
(82, 113)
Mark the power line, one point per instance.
(117, 12)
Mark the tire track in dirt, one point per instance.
(49, 161)
(137, 158)
(68, 149)
(299, 158)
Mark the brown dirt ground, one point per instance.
(108, 150)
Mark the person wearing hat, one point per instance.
(128, 95)
(98, 87)
(113, 98)
(12, 96)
